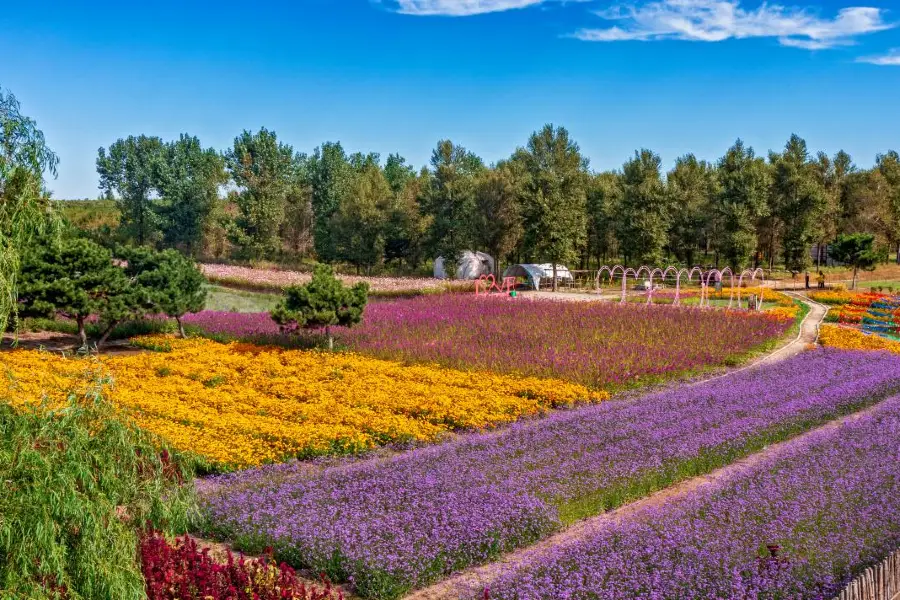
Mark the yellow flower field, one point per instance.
(240, 405)
(767, 294)
(853, 339)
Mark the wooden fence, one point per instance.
(881, 582)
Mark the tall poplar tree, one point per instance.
(131, 169)
(330, 178)
(555, 199)
(264, 169)
(644, 210)
(604, 198)
(741, 202)
(692, 187)
(188, 185)
(497, 215)
(449, 200)
(798, 199)
(358, 227)
(887, 171)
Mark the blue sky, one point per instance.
(675, 76)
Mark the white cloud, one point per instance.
(891, 59)
(460, 8)
(718, 20)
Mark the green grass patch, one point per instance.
(225, 299)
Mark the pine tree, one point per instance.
(77, 279)
(323, 302)
(171, 283)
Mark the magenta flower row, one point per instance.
(597, 344)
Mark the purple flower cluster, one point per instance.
(593, 343)
(799, 524)
(390, 524)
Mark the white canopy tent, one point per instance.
(535, 272)
(471, 265)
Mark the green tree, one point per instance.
(407, 227)
(887, 167)
(856, 250)
(132, 169)
(189, 182)
(323, 302)
(604, 199)
(555, 195)
(798, 199)
(25, 209)
(76, 278)
(358, 226)
(70, 476)
(170, 283)
(264, 169)
(644, 211)
(741, 202)
(692, 187)
(497, 215)
(330, 178)
(299, 220)
(833, 175)
(398, 173)
(449, 200)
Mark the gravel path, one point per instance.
(463, 583)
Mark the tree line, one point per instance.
(541, 204)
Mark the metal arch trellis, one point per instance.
(704, 278)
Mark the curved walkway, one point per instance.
(482, 576)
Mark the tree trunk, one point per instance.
(554, 276)
(102, 341)
(853, 284)
(82, 334)
(180, 327)
(330, 339)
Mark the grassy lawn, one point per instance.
(865, 285)
(229, 300)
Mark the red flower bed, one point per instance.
(183, 572)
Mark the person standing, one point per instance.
(821, 280)
(807, 280)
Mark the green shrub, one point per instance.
(79, 486)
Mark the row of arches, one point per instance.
(704, 278)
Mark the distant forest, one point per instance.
(262, 200)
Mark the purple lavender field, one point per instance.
(830, 503)
(595, 344)
(391, 524)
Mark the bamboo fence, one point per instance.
(881, 582)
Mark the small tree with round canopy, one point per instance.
(323, 302)
(856, 250)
